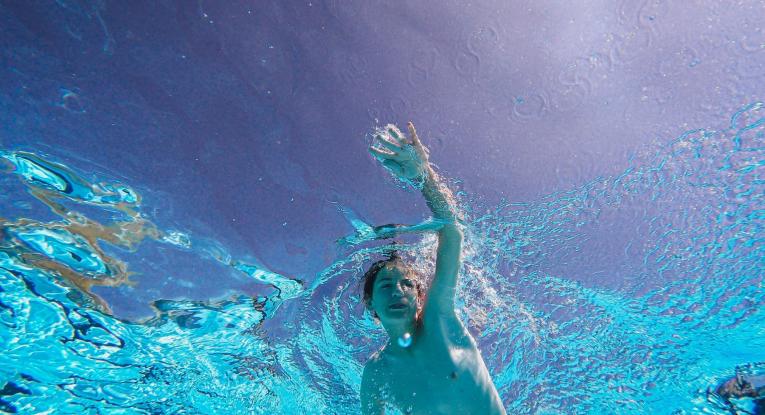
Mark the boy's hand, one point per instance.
(407, 159)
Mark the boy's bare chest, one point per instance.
(431, 377)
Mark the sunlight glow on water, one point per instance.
(565, 322)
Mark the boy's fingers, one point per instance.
(395, 148)
(380, 153)
(397, 135)
(413, 133)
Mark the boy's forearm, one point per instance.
(448, 254)
(438, 197)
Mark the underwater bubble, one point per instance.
(405, 340)
(71, 102)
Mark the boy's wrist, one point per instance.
(419, 181)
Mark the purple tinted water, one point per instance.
(615, 197)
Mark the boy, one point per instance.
(431, 364)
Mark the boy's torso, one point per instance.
(442, 372)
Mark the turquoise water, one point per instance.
(629, 294)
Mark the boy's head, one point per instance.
(392, 290)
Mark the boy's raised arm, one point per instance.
(448, 257)
(408, 159)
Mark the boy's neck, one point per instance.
(396, 333)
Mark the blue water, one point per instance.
(646, 320)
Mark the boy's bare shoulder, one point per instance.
(371, 378)
(375, 370)
(371, 400)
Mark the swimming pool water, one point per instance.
(645, 320)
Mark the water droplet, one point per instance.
(405, 340)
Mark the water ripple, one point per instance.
(634, 293)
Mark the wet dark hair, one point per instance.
(370, 277)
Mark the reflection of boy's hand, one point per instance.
(406, 159)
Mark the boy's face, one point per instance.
(394, 295)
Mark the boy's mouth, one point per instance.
(399, 306)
